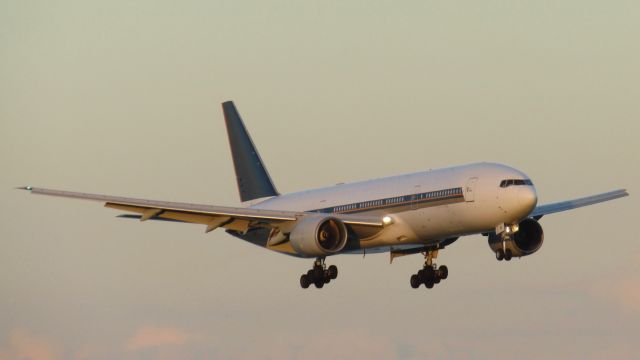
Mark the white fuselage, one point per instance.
(426, 207)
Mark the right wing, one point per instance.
(547, 209)
(232, 218)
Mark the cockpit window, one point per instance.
(510, 182)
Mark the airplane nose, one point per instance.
(528, 198)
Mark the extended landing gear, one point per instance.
(430, 273)
(319, 275)
(505, 253)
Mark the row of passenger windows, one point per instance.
(395, 200)
(510, 182)
(441, 193)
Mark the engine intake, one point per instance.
(318, 236)
(525, 242)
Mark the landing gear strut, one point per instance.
(430, 274)
(319, 275)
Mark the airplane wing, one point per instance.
(232, 218)
(547, 209)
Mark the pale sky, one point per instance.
(123, 98)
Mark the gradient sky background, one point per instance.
(123, 98)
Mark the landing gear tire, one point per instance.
(414, 281)
(304, 281)
(333, 272)
(429, 284)
(428, 275)
(318, 272)
(319, 283)
(443, 272)
(508, 254)
(499, 255)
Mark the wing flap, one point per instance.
(189, 217)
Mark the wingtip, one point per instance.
(620, 193)
(28, 188)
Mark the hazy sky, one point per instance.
(123, 98)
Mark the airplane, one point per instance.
(418, 213)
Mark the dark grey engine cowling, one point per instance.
(525, 242)
(318, 236)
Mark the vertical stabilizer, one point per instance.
(253, 179)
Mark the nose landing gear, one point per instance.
(431, 274)
(319, 275)
(504, 253)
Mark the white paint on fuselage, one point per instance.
(491, 204)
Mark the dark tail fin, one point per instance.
(253, 179)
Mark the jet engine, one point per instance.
(525, 242)
(318, 236)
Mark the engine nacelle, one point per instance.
(525, 242)
(318, 236)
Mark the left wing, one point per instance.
(547, 209)
(233, 218)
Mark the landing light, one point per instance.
(507, 229)
(387, 220)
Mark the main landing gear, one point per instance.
(319, 275)
(430, 273)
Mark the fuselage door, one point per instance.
(470, 189)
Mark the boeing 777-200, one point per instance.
(419, 213)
